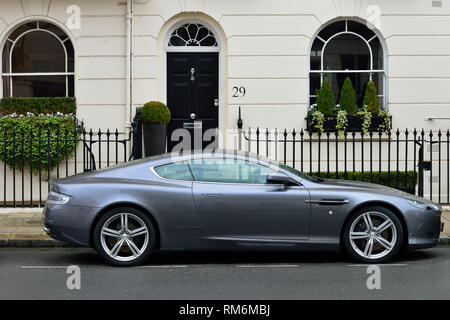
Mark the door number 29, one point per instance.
(239, 92)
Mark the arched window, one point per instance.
(347, 49)
(192, 35)
(38, 61)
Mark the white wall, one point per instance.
(265, 47)
(267, 51)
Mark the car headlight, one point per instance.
(57, 198)
(422, 205)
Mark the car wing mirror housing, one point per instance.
(278, 178)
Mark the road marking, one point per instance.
(44, 267)
(380, 265)
(268, 266)
(165, 266)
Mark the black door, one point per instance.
(192, 96)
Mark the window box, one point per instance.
(354, 124)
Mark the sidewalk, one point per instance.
(24, 228)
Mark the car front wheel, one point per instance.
(124, 236)
(373, 235)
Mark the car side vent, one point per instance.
(329, 202)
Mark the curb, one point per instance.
(33, 243)
(444, 241)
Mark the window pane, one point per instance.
(377, 52)
(6, 87)
(38, 51)
(37, 86)
(314, 83)
(316, 52)
(5, 60)
(359, 82)
(332, 29)
(70, 56)
(378, 79)
(229, 171)
(360, 29)
(346, 52)
(52, 28)
(192, 34)
(21, 29)
(177, 171)
(71, 86)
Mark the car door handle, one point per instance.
(211, 195)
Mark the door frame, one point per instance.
(218, 49)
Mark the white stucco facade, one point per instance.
(264, 46)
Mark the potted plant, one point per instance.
(155, 117)
(346, 116)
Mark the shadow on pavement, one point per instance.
(78, 256)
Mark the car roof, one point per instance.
(199, 154)
(154, 161)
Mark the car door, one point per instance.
(233, 200)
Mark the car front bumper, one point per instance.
(424, 228)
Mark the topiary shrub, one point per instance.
(325, 98)
(155, 112)
(52, 105)
(347, 99)
(26, 139)
(371, 99)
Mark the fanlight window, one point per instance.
(38, 61)
(347, 49)
(192, 35)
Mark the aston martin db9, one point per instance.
(229, 200)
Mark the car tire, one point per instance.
(124, 237)
(373, 235)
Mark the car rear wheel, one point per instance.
(124, 236)
(373, 235)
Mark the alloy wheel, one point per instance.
(124, 236)
(373, 235)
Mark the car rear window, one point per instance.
(176, 171)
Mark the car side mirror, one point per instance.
(278, 178)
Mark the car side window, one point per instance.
(176, 171)
(229, 171)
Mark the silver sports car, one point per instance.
(229, 200)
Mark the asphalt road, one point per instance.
(42, 274)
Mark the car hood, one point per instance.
(365, 185)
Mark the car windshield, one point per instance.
(298, 173)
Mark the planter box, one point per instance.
(155, 136)
(354, 124)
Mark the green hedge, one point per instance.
(19, 150)
(64, 105)
(384, 178)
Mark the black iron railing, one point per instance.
(395, 155)
(29, 163)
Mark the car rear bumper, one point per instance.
(69, 224)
